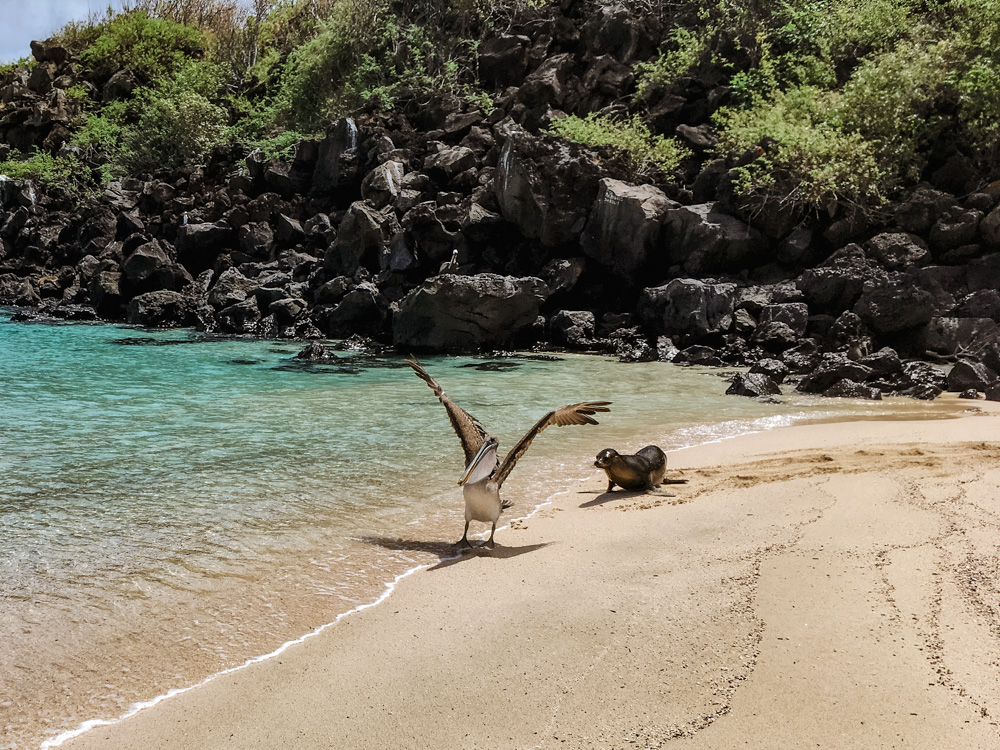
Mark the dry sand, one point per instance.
(830, 585)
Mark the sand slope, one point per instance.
(831, 585)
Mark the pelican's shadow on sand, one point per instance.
(448, 552)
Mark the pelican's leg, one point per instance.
(464, 541)
(489, 542)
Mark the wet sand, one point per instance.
(826, 585)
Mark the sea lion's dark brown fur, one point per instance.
(642, 471)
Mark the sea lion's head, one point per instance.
(606, 458)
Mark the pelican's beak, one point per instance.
(483, 464)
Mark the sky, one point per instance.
(24, 20)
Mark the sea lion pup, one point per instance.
(484, 474)
(643, 471)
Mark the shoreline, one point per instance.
(516, 524)
(390, 586)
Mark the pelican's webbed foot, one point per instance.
(489, 544)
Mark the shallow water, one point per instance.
(172, 505)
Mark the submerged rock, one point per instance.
(753, 384)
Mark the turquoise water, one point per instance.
(172, 505)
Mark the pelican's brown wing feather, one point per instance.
(466, 426)
(566, 415)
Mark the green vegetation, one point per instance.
(685, 50)
(806, 161)
(846, 98)
(149, 47)
(60, 174)
(629, 136)
(842, 101)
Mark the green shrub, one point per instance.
(175, 126)
(807, 162)
(152, 47)
(627, 135)
(78, 94)
(687, 49)
(315, 71)
(892, 100)
(64, 175)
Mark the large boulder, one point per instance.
(687, 308)
(231, 288)
(149, 268)
(49, 50)
(15, 290)
(358, 311)
(901, 303)
(948, 335)
(989, 228)
(623, 231)
(162, 309)
(984, 273)
(198, 245)
(573, 327)
(847, 388)
(753, 384)
(256, 239)
(546, 186)
(337, 158)
(832, 368)
(773, 368)
(104, 290)
(966, 374)
(242, 317)
(448, 162)
(467, 313)
(983, 303)
(793, 314)
(426, 235)
(383, 184)
(702, 239)
(837, 284)
(362, 238)
(120, 85)
(546, 85)
(922, 208)
(954, 228)
(897, 250)
(612, 30)
(502, 59)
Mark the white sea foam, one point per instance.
(142, 705)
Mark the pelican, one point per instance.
(484, 474)
(450, 265)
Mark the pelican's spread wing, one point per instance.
(467, 427)
(572, 414)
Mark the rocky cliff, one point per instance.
(453, 229)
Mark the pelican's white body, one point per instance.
(482, 501)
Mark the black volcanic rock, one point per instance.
(688, 308)
(753, 384)
(832, 368)
(847, 388)
(467, 313)
(967, 374)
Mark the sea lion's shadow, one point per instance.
(607, 497)
(448, 552)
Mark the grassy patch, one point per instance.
(627, 135)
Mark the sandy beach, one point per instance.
(826, 585)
